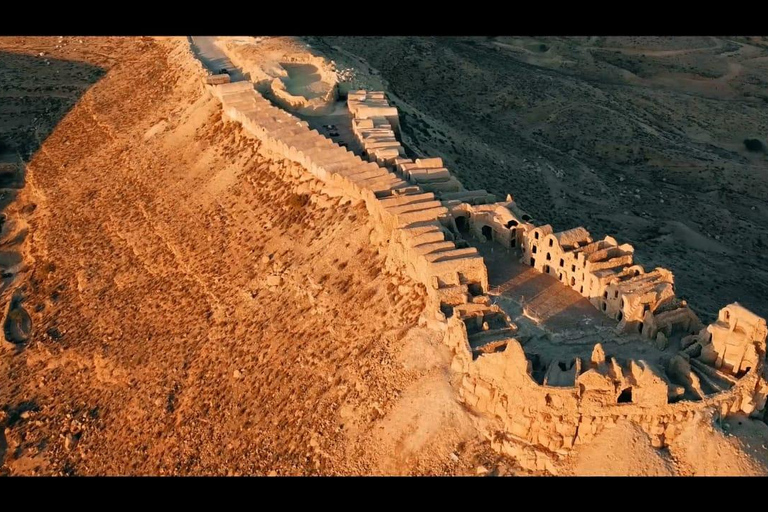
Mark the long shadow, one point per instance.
(36, 92)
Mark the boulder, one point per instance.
(18, 324)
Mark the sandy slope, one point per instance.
(706, 449)
(622, 450)
(158, 235)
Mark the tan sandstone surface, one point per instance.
(623, 450)
(201, 301)
(202, 305)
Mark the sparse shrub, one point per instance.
(298, 201)
(367, 294)
(754, 145)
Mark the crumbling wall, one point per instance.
(376, 125)
(553, 419)
(300, 103)
(285, 98)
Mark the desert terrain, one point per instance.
(158, 237)
(180, 301)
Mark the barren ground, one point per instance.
(201, 307)
(160, 346)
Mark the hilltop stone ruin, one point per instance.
(287, 74)
(524, 363)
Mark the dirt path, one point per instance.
(213, 57)
(718, 43)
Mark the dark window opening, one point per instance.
(534, 249)
(622, 303)
(562, 262)
(462, 224)
(560, 276)
(626, 396)
(573, 268)
(475, 289)
(487, 232)
(536, 235)
(512, 223)
(620, 317)
(549, 257)
(605, 306)
(581, 290)
(533, 262)
(512, 242)
(605, 294)
(573, 281)
(551, 242)
(616, 294)
(546, 269)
